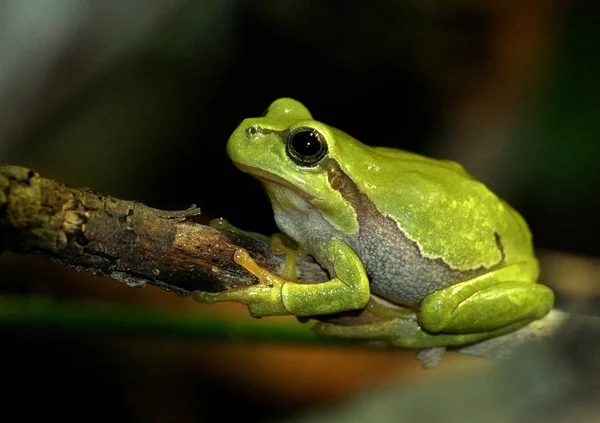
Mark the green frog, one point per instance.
(426, 252)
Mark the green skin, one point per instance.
(443, 260)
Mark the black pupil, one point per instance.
(306, 143)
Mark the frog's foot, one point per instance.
(430, 357)
(399, 332)
(224, 225)
(263, 299)
(275, 295)
(403, 332)
(381, 332)
(279, 244)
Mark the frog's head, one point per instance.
(296, 158)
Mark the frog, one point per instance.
(420, 254)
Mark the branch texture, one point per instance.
(125, 240)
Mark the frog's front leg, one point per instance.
(484, 304)
(274, 295)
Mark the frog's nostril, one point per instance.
(253, 132)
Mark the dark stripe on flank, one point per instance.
(397, 269)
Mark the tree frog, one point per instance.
(423, 254)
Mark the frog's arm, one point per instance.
(348, 290)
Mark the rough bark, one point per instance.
(125, 240)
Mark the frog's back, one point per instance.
(439, 205)
(432, 226)
(406, 156)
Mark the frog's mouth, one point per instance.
(270, 178)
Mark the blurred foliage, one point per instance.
(562, 183)
(137, 100)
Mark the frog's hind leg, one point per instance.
(403, 331)
(485, 304)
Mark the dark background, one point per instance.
(137, 99)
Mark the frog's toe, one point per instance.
(209, 297)
(238, 295)
(261, 300)
(430, 357)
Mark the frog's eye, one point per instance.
(306, 146)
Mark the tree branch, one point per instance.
(137, 244)
(125, 240)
